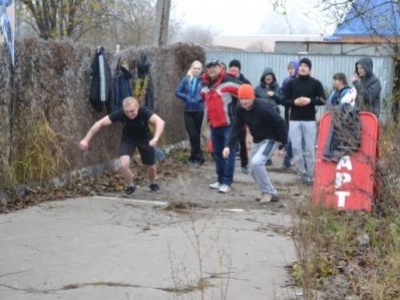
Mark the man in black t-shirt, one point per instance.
(135, 134)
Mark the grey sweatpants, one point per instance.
(260, 153)
(306, 131)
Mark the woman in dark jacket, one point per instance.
(269, 88)
(188, 91)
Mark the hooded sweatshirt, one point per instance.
(295, 64)
(368, 88)
(262, 89)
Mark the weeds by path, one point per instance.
(353, 254)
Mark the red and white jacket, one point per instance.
(217, 96)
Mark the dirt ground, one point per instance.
(189, 186)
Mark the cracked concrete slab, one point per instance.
(114, 248)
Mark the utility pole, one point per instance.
(160, 31)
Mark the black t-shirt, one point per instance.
(136, 129)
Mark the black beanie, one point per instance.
(235, 63)
(305, 61)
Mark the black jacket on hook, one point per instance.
(122, 85)
(101, 84)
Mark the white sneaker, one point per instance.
(215, 185)
(265, 198)
(224, 189)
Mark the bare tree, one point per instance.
(54, 18)
(198, 34)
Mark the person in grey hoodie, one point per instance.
(269, 88)
(368, 87)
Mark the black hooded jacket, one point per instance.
(261, 91)
(101, 85)
(368, 88)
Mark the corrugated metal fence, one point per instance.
(323, 68)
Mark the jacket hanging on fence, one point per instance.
(143, 89)
(122, 86)
(101, 86)
(344, 134)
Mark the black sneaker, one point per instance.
(130, 190)
(155, 188)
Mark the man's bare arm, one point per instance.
(84, 143)
(159, 124)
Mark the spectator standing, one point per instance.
(302, 95)
(340, 89)
(189, 91)
(368, 87)
(217, 92)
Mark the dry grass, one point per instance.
(39, 156)
(353, 253)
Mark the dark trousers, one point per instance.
(244, 157)
(193, 124)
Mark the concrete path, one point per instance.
(113, 248)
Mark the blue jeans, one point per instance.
(225, 167)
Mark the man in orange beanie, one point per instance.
(268, 129)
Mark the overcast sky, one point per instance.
(239, 17)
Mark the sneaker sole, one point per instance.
(128, 196)
(222, 192)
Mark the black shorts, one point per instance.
(147, 153)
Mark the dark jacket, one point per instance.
(263, 121)
(122, 84)
(344, 134)
(217, 95)
(368, 89)
(189, 91)
(101, 84)
(262, 89)
(304, 86)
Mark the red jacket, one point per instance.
(217, 97)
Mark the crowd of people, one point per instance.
(232, 106)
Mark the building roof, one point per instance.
(367, 18)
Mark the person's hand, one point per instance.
(226, 152)
(270, 94)
(355, 78)
(305, 101)
(299, 101)
(153, 142)
(83, 145)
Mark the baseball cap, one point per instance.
(213, 62)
